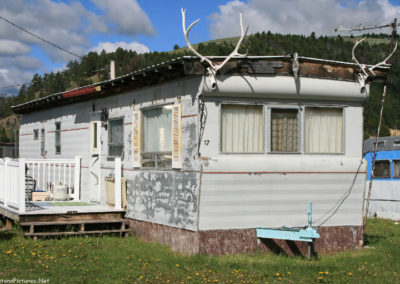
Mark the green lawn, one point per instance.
(130, 260)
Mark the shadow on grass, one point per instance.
(8, 234)
(373, 239)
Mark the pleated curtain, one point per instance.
(324, 130)
(242, 129)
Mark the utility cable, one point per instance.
(40, 38)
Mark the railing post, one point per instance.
(21, 177)
(7, 181)
(77, 179)
(118, 184)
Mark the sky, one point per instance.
(156, 25)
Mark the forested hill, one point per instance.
(94, 67)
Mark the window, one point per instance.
(242, 129)
(94, 135)
(396, 168)
(58, 138)
(396, 143)
(42, 142)
(1, 152)
(157, 137)
(36, 134)
(324, 130)
(284, 130)
(115, 137)
(382, 169)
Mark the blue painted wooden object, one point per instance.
(294, 234)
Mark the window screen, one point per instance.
(396, 168)
(242, 129)
(157, 137)
(115, 137)
(284, 130)
(58, 138)
(324, 130)
(36, 134)
(382, 169)
(42, 142)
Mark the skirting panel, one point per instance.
(220, 242)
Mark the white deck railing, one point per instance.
(12, 184)
(42, 175)
(39, 175)
(46, 173)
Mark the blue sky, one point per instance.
(156, 25)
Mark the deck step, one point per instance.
(44, 234)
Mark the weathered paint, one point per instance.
(168, 197)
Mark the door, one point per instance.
(94, 161)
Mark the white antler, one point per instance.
(212, 69)
(363, 77)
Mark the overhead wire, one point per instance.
(40, 38)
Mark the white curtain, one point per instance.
(324, 130)
(242, 129)
(284, 130)
(157, 125)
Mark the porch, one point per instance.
(37, 193)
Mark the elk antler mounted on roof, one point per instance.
(213, 68)
(362, 77)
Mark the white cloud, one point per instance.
(112, 46)
(127, 16)
(299, 16)
(69, 25)
(12, 47)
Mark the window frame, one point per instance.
(143, 141)
(109, 136)
(42, 144)
(57, 132)
(264, 130)
(268, 122)
(390, 169)
(303, 139)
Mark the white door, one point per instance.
(94, 161)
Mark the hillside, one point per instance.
(94, 67)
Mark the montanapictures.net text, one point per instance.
(16, 280)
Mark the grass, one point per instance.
(130, 260)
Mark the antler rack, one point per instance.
(213, 68)
(362, 77)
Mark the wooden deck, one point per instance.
(46, 218)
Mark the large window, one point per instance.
(115, 137)
(284, 130)
(324, 130)
(36, 134)
(58, 138)
(157, 137)
(242, 129)
(382, 169)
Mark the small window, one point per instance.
(115, 137)
(157, 137)
(42, 142)
(396, 168)
(94, 135)
(1, 152)
(380, 144)
(284, 130)
(382, 169)
(58, 137)
(396, 143)
(324, 130)
(36, 134)
(242, 129)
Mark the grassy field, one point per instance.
(130, 260)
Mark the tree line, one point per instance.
(94, 67)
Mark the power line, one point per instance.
(40, 38)
(362, 28)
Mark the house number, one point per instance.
(206, 142)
